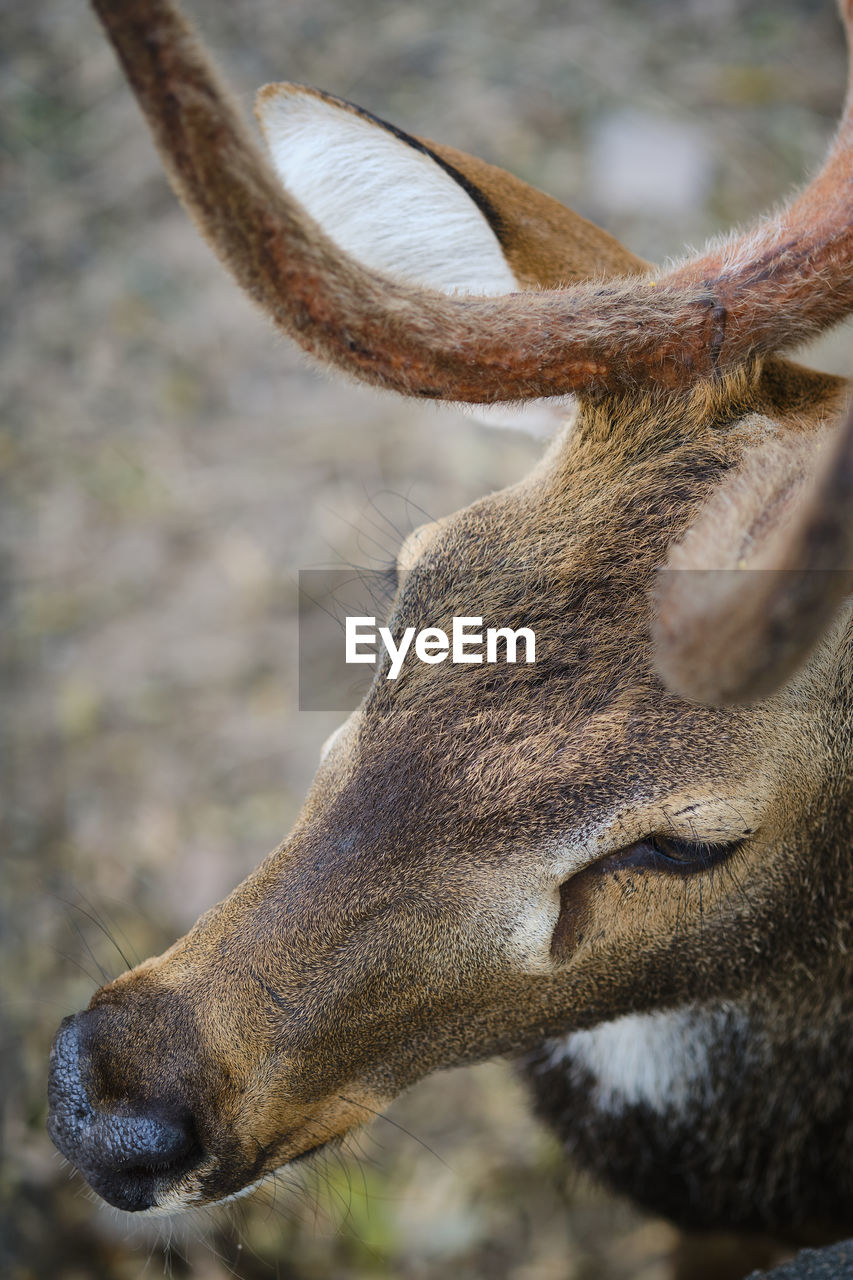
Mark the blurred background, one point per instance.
(168, 465)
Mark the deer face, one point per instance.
(490, 856)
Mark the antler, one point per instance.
(757, 293)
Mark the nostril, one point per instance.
(128, 1156)
(126, 1153)
(157, 1140)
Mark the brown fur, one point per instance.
(372, 947)
(547, 245)
(426, 910)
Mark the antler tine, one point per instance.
(737, 634)
(757, 294)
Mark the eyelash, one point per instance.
(674, 856)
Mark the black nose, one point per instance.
(127, 1153)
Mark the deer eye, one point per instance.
(676, 856)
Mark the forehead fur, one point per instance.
(571, 552)
(579, 539)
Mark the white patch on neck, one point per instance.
(390, 206)
(658, 1059)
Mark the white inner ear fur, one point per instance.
(385, 203)
(394, 209)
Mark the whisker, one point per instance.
(105, 977)
(77, 964)
(380, 1116)
(99, 924)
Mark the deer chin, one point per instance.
(221, 1179)
(194, 1191)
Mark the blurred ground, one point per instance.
(168, 466)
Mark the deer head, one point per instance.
(650, 817)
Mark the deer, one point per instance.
(626, 865)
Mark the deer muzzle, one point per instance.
(128, 1152)
(291, 1013)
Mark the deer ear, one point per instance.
(381, 195)
(760, 576)
(429, 214)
